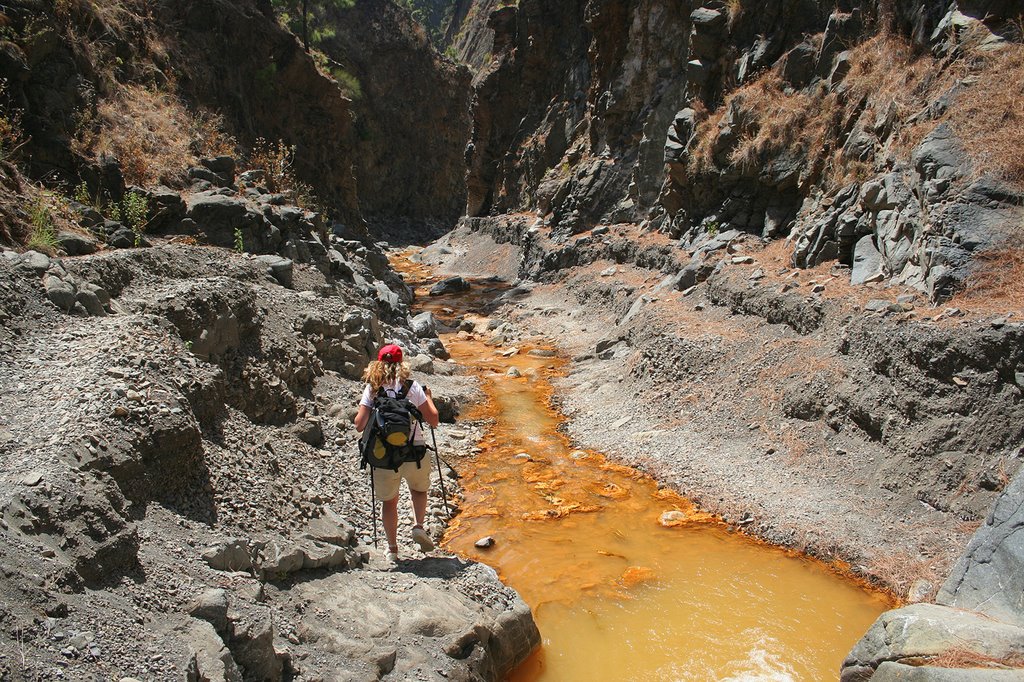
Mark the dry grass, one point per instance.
(885, 72)
(997, 285)
(965, 658)
(989, 113)
(898, 571)
(152, 133)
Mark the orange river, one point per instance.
(627, 581)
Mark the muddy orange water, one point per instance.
(626, 581)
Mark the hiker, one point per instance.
(389, 373)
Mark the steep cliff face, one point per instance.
(140, 81)
(411, 110)
(850, 129)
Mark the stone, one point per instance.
(876, 306)
(330, 528)
(450, 286)
(541, 353)
(210, 659)
(889, 671)
(840, 69)
(35, 261)
(639, 304)
(513, 372)
(925, 630)
(281, 269)
(424, 325)
(222, 165)
(484, 542)
(123, 238)
(309, 431)
(76, 244)
(798, 67)
(422, 363)
(212, 607)
(229, 555)
(60, 292)
(33, 479)
(91, 302)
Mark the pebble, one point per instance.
(484, 542)
(514, 372)
(524, 456)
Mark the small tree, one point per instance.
(301, 13)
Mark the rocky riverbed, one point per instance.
(861, 426)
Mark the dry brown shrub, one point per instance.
(996, 285)
(965, 658)
(988, 113)
(885, 72)
(154, 136)
(899, 571)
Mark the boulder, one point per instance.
(76, 244)
(212, 607)
(34, 261)
(221, 165)
(867, 262)
(989, 577)
(899, 672)
(421, 363)
(60, 292)
(210, 660)
(218, 216)
(798, 67)
(229, 555)
(923, 630)
(449, 286)
(330, 528)
(309, 431)
(424, 325)
(281, 269)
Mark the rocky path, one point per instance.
(179, 493)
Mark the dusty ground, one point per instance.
(831, 440)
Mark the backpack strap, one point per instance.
(404, 391)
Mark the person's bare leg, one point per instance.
(419, 506)
(389, 516)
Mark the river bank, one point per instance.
(735, 412)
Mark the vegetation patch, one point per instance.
(153, 135)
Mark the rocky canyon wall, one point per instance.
(851, 130)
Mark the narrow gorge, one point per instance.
(720, 303)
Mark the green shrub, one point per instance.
(43, 235)
(348, 83)
(239, 240)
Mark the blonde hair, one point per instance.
(378, 373)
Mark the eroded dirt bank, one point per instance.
(803, 411)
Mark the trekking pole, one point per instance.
(440, 474)
(373, 507)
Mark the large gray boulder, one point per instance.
(917, 632)
(989, 578)
(867, 262)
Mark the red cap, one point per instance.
(390, 353)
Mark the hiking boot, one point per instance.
(420, 537)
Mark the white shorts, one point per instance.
(386, 481)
